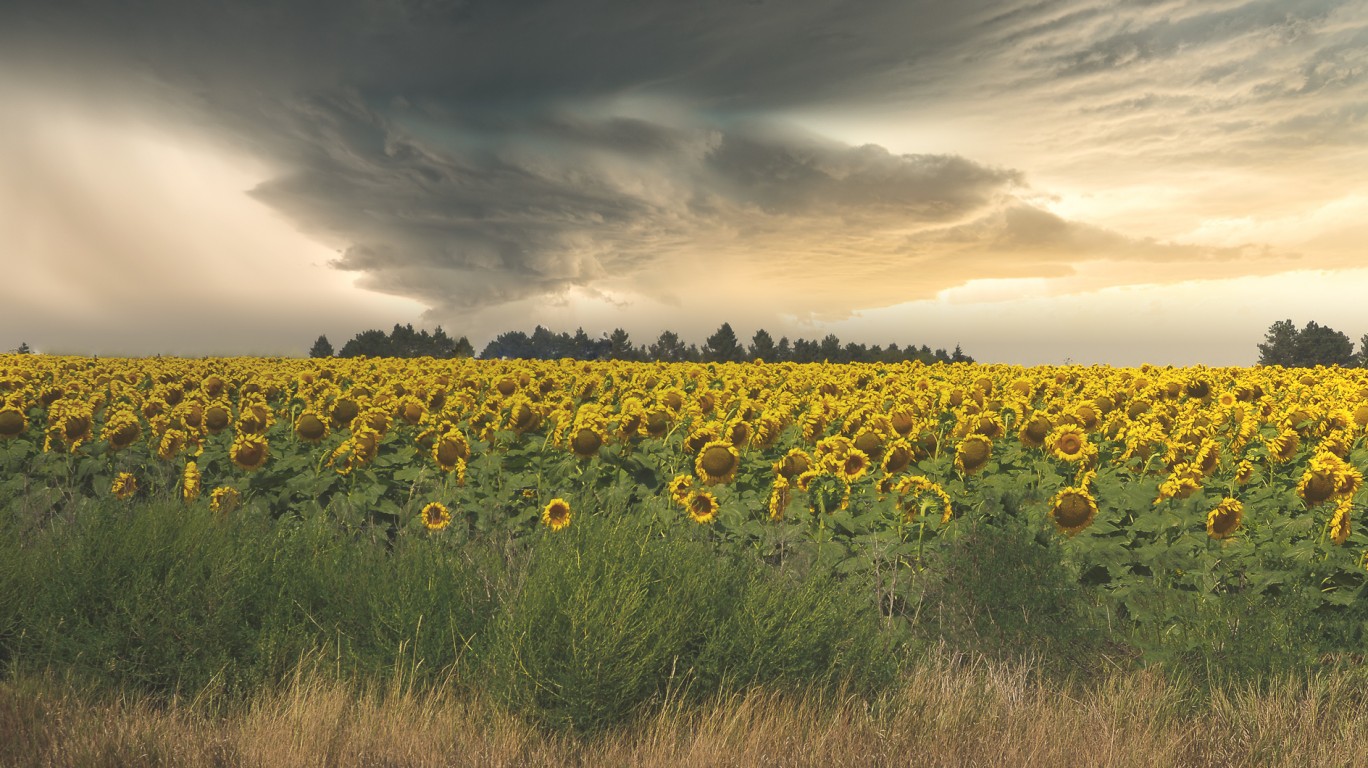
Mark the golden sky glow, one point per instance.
(1038, 182)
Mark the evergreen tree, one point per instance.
(23, 349)
(784, 350)
(1361, 359)
(1280, 344)
(321, 348)
(723, 346)
(1322, 345)
(762, 346)
(620, 346)
(669, 348)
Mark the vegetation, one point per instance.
(607, 548)
(1311, 346)
(542, 344)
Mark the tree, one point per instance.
(1322, 345)
(23, 349)
(669, 348)
(620, 346)
(1314, 344)
(321, 348)
(371, 343)
(723, 346)
(762, 346)
(1361, 359)
(1280, 344)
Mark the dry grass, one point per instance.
(947, 713)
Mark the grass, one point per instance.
(945, 711)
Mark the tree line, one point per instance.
(1311, 345)
(544, 344)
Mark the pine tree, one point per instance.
(723, 346)
(321, 348)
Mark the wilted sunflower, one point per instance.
(794, 463)
(1035, 430)
(249, 452)
(1224, 519)
(436, 516)
(190, 483)
(12, 422)
(702, 506)
(1340, 523)
(121, 430)
(556, 515)
(451, 450)
(172, 441)
(225, 499)
(779, 499)
(717, 463)
(311, 427)
(124, 486)
(972, 453)
(919, 495)
(1073, 509)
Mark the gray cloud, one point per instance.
(469, 154)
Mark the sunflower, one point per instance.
(1073, 509)
(225, 499)
(1340, 524)
(190, 482)
(1035, 430)
(717, 463)
(971, 455)
(310, 427)
(897, 457)
(854, 465)
(12, 422)
(124, 486)
(919, 495)
(586, 442)
(1283, 447)
(1316, 486)
(1244, 472)
(1068, 442)
(122, 430)
(556, 515)
(171, 443)
(435, 516)
(827, 493)
(1183, 481)
(702, 507)
(794, 463)
(249, 452)
(451, 450)
(779, 499)
(1224, 519)
(679, 489)
(216, 418)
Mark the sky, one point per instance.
(1038, 181)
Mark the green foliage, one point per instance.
(403, 341)
(614, 617)
(1311, 346)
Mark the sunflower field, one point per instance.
(1205, 482)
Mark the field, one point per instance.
(586, 547)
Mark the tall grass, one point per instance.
(944, 712)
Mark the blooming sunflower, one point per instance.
(121, 430)
(172, 441)
(1035, 430)
(717, 463)
(124, 486)
(972, 453)
(827, 493)
(586, 442)
(1068, 442)
(556, 515)
(794, 463)
(702, 507)
(897, 457)
(1073, 509)
(1224, 518)
(854, 465)
(249, 452)
(435, 516)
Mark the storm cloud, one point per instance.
(470, 155)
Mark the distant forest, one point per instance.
(543, 344)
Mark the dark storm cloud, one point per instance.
(473, 153)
